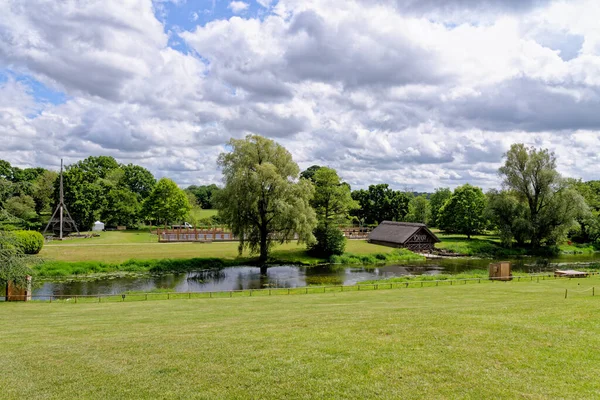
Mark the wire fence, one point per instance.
(127, 297)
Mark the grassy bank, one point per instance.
(54, 269)
(489, 246)
(501, 341)
(118, 247)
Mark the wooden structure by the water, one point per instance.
(195, 235)
(570, 273)
(500, 271)
(16, 293)
(412, 236)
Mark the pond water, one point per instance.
(286, 276)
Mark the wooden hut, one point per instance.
(412, 236)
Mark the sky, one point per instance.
(419, 94)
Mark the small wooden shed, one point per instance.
(500, 271)
(409, 235)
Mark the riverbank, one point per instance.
(434, 342)
(56, 269)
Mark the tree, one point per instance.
(332, 200)
(437, 201)
(22, 207)
(419, 210)
(43, 187)
(138, 180)
(309, 172)
(121, 207)
(464, 211)
(263, 202)
(509, 216)
(531, 174)
(332, 203)
(166, 203)
(204, 194)
(380, 203)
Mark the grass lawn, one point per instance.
(487, 341)
(199, 213)
(122, 246)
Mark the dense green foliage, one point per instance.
(14, 265)
(436, 202)
(262, 201)
(203, 195)
(419, 210)
(24, 195)
(100, 188)
(554, 205)
(29, 242)
(329, 241)
(380, 203)
(464, 211)
(166, 204)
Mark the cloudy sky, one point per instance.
(415, 93)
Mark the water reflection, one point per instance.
(238, 278)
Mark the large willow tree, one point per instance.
(263, 201)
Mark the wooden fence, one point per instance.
(195, 235)
(293, 291)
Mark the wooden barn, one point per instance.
(412, 236)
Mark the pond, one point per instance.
(286, 276)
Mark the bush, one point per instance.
(30, 242)
(330, 242)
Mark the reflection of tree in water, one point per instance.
(216, 275)
(328, 275)
(170, 281)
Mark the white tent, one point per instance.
(98, 226)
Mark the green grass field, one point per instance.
(488, 341)
(118, 246)
(199, 213)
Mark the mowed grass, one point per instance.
(488, 341)
(123, 246)
(200, 213)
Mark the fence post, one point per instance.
(231, 293)
(250, 292)
(306, 291)
(98, 299)
(50, 298)
(75, 299)
(189, 295)
(593, 291)
(269, 292)
(288, 291)
(168, 296)
(421, 283)
(565, 293)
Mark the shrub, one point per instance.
(30, 242)
(330, 241)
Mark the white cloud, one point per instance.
(265, 3)
(238, 6)
(415, 94)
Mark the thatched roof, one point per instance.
(399, 232)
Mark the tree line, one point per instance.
(96, 188)
(265, 199)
